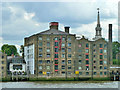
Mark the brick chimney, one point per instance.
(54, 25)
(110, 32)
(67, 29)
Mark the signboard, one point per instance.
(76, 72)
(44, 73)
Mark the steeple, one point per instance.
(98, 28)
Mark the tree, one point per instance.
(115, 48)
(9, 49)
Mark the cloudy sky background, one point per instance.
(22, 19)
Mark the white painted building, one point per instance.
(29, 58)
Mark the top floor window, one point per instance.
(87, 45)
(2, 56)
(63, 38)
(40, 38)
(69, 44)
(101, 45)
(48, 38)
(56, 38)
(69, 38)
(56, 43)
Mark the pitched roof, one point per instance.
(54, 31)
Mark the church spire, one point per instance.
(98, 28)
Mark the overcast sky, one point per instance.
(22, 19)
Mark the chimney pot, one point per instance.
(67, 29)
(54, 25)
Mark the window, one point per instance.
(56, 49)
(63, 67)
(105, 51)
(101, 56)
(105, 56)
(80, 73)
(69, 49)
(94, 67)
(40, 49)
(48, 67)
(105, 73)
(80, 61)
(63, 44)
(87, 51)
(87, 73)
(69, 67)
(87, 56)
(48, 44)
(63, 55)
(48, 38)
(105, 67)
(101, 51)
(40, 61)
(101, 46)
(69, 39)
(40, 55)
(94, 56)
(40, 67)
(48, 55)
(80, 56)
(2, 56)
(94, 50)
(56, 43)
(105, 62)
(63, 38)
(56, 67)
(105, 45)
(87, 45)
(69, 55)
(95, 73)
(48, 61)
(40, 38)
(100, 67)
(2, 62)
(94, 45)
(87, 62)
(63, 49)
(69, 61)
(101, 73)
(40, 72)
(40, 43)
(48, 49)
(2, 68)
(79, 50)
(94, 61)
(63, 61)
(63, 73)
(79, 68)
(69, 73)
(101, 62)
(56, 61)
(69, 44)
(56, 38)
(56, 55)
(87, 67)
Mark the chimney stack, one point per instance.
(110, 32)
(54, 25)
(67, 29)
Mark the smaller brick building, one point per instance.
(3, 70)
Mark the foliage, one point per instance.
(115, 48)
(9, 49)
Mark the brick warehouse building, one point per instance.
(60, 54)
